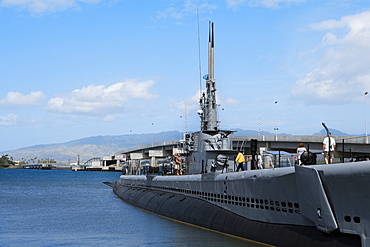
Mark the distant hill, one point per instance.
(89, 147)
(98, 146)
(240, 132)
(332, 131)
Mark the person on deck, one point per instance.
(240, 159)
(328, 156)
(300, 150)
(178, 164)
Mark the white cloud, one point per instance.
(101, 99)
(192, 103)
(234, 4)
(231, 101)
(40, 6)
(179, 106)
(109, 118)
(342, 74)
(8, 120)
(17, 99)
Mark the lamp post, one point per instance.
(366, 138)
(276, 128)
(180, 128)
(152, 135)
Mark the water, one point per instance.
(66, 208)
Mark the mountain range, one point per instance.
(98, 146)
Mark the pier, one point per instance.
(37, 166)
(281, 149)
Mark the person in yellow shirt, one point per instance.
(240, 159)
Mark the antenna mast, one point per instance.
(186, 117)
(199, 59)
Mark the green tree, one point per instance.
(5, 161)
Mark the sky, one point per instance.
(80, 68)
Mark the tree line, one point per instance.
(6, 161)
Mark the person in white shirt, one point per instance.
(328, 140)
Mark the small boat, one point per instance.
(308, 205)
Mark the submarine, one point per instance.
(303, 205)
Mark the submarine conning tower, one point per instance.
(208, 105)
(212, 148)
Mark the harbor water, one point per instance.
(66, 208)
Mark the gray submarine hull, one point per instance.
(207, 215)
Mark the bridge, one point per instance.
(348, 148)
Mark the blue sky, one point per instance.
(74, 69)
